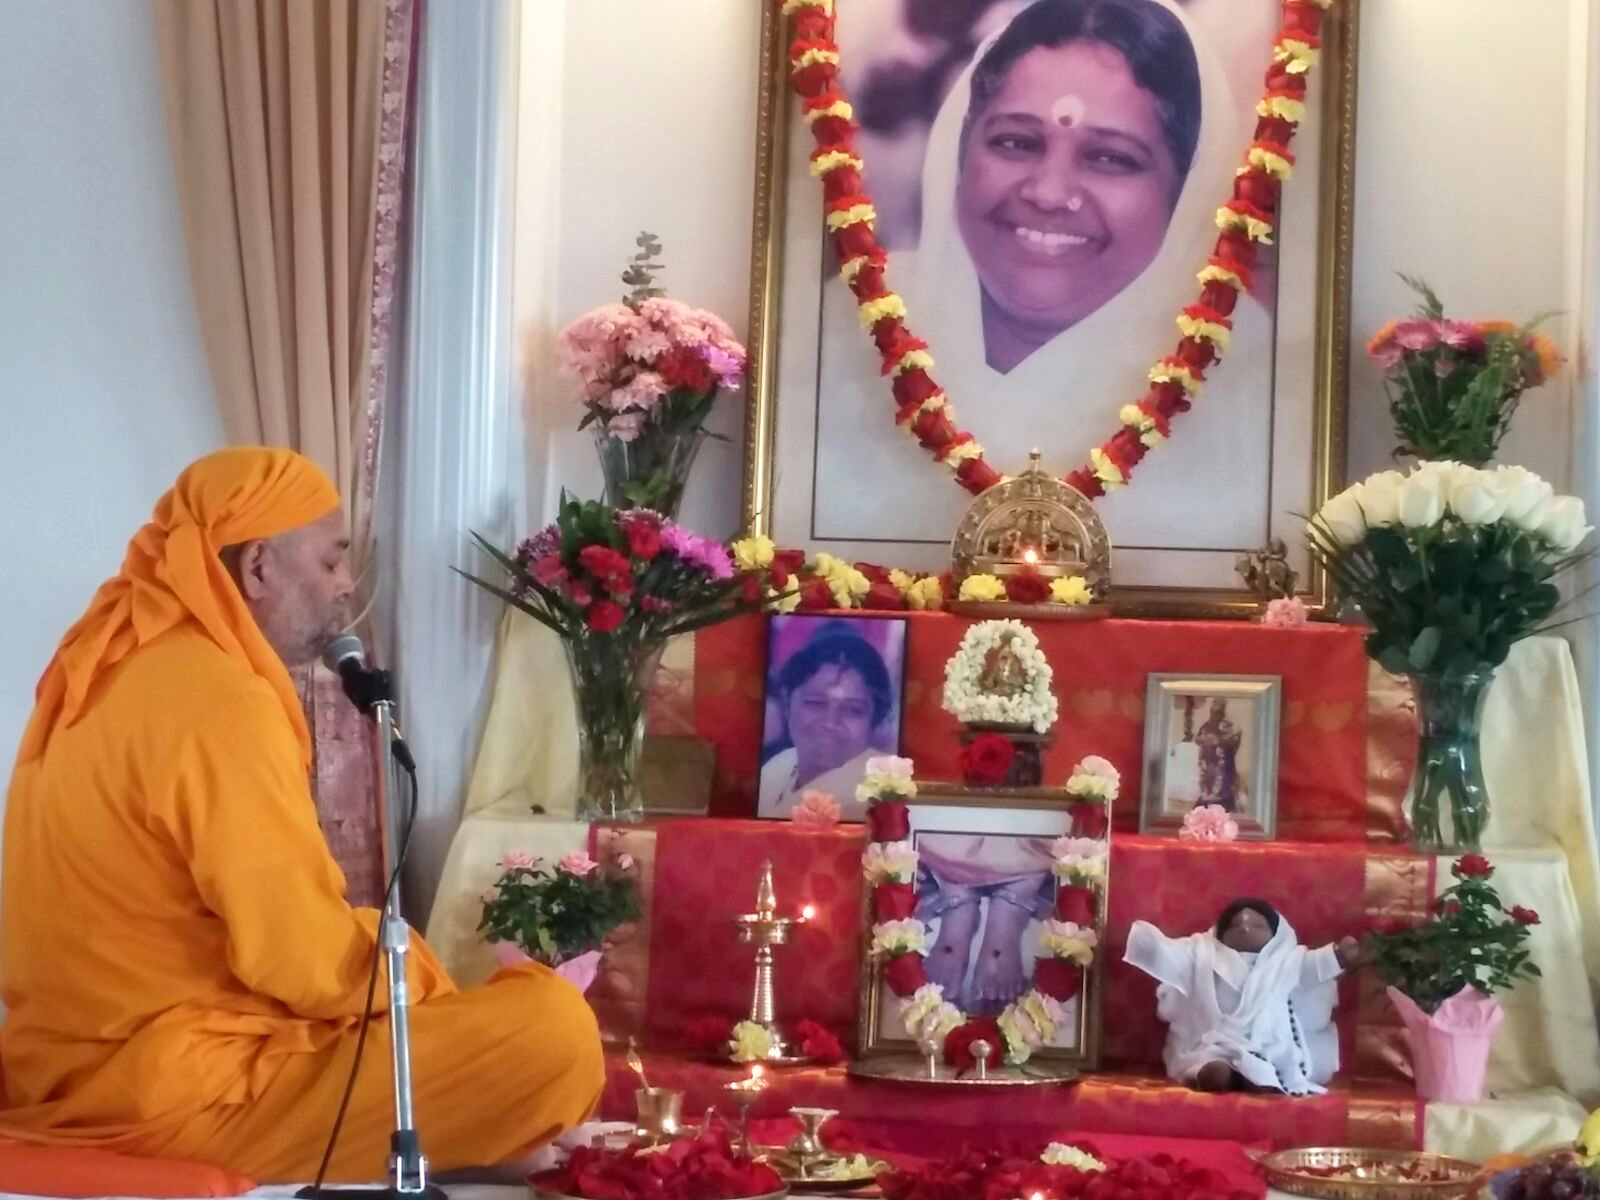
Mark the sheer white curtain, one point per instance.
(460, 462)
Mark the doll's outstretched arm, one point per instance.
(1168, 960)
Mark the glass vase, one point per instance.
(611, 679)
(651, 470)
(1449, 765)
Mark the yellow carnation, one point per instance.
(982, 587)
(1072, 591)
(754, 553)
(926, 595)
(750, 1042)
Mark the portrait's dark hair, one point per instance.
(1238, 906)
(837, 645)
(1151, 39)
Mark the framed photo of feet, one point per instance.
(988, 891)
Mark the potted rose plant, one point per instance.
(1442, 976)
(557, 916)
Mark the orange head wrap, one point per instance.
(172, 574)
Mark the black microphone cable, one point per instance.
(316, 1188)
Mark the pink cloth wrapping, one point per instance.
(579, 971)
(1450, 1047)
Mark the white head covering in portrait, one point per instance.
(1065, 397)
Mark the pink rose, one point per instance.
(817, 809)
(577, 863)
(1286, 612)
(517, 859)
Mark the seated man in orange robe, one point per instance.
(182, 974)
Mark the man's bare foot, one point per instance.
(998, 978)
(947, 959)
(1214, 1077)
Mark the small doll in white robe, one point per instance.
(1245, 1003)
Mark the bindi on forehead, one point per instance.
(1076, 85)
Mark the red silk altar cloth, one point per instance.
(1101, 669)
(700, 873)
(906, 1119)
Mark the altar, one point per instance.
(1338, 867)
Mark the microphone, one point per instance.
(367, 687)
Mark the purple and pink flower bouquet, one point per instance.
(615, 585)
(650, 368)
(1454, 385)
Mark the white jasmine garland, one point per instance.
(1056, 1154)
(1035, 706)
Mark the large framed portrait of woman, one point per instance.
(1046, 176)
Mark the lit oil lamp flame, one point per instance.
(808, 912)
(1031, 557)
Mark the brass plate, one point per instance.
(778, 1160)
(906, 1069)
(1371, 1173)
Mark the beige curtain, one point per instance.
(275, 109)
(287, 122)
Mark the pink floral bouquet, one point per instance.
(1455, 385)
(651, 368)
(555, 915)
(1208, 823)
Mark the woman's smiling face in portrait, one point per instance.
(1066, 188)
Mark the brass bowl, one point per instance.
(1369, 1174)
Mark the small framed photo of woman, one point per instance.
(833, 701)
(1211, 740)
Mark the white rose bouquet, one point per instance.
(1451, 564)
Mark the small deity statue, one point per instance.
(1246, 1005)
(1267, 572)
(1003, 672)
(1218, 742)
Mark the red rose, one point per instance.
(685, 371)
(1086, 482)
(883, 596)
(1089, 820)
(1257, 188)
(549, 572)
(977, 476)
(1473, 866)
(605, 564)
(893, 901)
(644, 539)
(986, 760)
(890, 821)
(1235, 245)
(1524, 916)
(1302, 18)
(1196, 353)
(815, 593)
(912, 388)
(1075, 903)
(853, 240)
(1058, 978)
(1027, 586)
(751, 590)
(790, 562)
(905, 973)
(958, 1046)
(709, 1034)
(604, 616)
(1220, 295)
(817, 1043)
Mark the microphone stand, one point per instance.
(373, 694)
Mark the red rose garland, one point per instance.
(1070, 936)
(1245, 220)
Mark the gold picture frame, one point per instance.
(1028, 812)
(776, 123)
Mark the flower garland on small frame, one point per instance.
(1070, 937)
(1246, 221)
(965, 698)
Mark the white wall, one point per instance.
(104, 394)
(1471, 117)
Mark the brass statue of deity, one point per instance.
(1033, 522)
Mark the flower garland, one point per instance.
(968, 701)
(1246, 221)
(1070, 936)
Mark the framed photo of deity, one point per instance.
(1045, 178)
(1211, 743)
(833, 703)
(993, 898)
